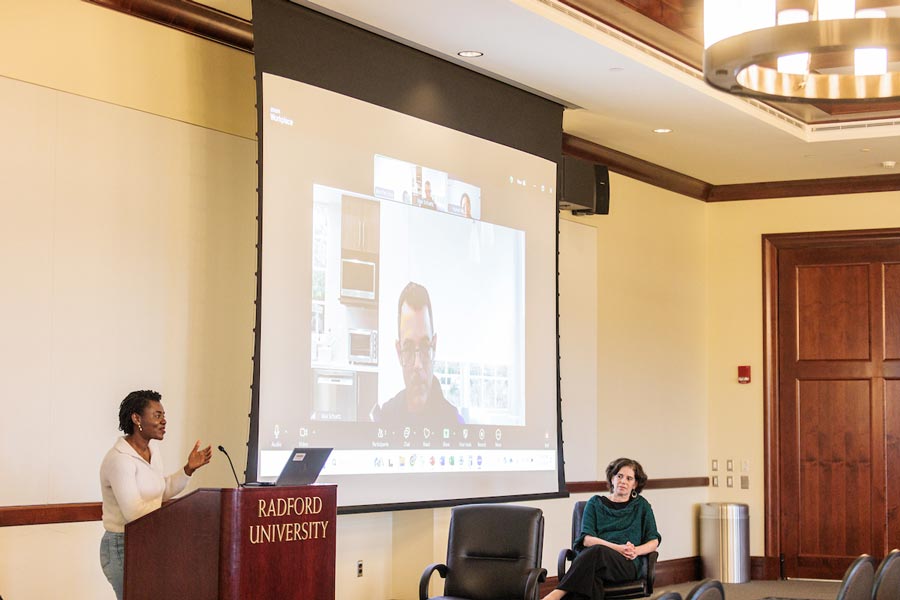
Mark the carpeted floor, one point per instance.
(770, 590)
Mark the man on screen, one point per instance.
(422, 400)
(427, 201)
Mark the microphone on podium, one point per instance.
(236, 480)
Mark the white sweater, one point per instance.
(131, 487)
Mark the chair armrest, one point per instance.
(426, 577)
(564, 555)
(533, 585)
(651, 571)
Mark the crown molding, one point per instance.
(686, 185)
(189, 17)
(635, 168)
(217, 26)
(804, 187)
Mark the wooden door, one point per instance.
(838, 403)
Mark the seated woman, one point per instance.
(614, 533)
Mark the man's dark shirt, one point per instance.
(437, 409)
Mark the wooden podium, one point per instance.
(235, 544)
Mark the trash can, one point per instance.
(725, 541)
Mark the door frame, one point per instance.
(771, 245)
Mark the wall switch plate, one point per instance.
(715, 464)
(715, 481)
(729, 481)
(745, 465)
(745, 482)
(729, 465)
(359, 568)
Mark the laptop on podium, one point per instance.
(303, 466)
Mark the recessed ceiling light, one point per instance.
(889, 164)
(470, 53)
(617, 69)
(865, 149)
(662, 130)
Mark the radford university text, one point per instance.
(263, 533)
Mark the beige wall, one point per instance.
(95, 52)
(736, 325)
(128, 236)
(652, 350)
(678, 305)
(679, 308)
(652, 312)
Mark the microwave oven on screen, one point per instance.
(358, 279)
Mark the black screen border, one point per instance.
(302, 44)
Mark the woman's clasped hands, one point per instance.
(627, 550)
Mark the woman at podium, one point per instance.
(132, 477)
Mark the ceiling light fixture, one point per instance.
(470, 53)
(662, 130)
(802, 50)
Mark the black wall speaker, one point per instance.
(585, 187)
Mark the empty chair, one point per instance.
(494, 552)
(668, 596)
(887, 578)
(858, 580)
(629, 589)
(708, 589)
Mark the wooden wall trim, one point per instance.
(43, 514)
(190, 17)
(804, 187)
(580, 487)
(684, 570)
(668, 572)
(217, 26)
(765, 568)
(635, 168)
(679, 183)
(679, 570)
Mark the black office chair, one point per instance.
(629, 589)
(668, 596)
(887, 578)
(858, 580)
(708, 589)
(494, 552)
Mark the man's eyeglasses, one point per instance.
(409, 351)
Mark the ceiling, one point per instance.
(618, 89)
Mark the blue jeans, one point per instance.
(112, 560)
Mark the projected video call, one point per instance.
(393, 316)
(401, 262)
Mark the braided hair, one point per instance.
(135, 402)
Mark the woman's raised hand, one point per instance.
(197, 458)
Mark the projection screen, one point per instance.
(406, 310)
